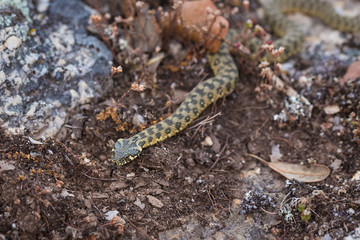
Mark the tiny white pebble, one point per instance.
(13, 42)
(207, 142)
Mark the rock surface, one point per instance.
(49, 65)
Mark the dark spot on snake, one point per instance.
(179, 116)
(178, 125)
(228, 77)
(193, 101)
(187, 118)
(187, 107)
(150, 131)
(168, 122)
(228, 87)
(210, 96)
(228, 62)
(168, 131)
(202, 103)
(135, 138)
(159, 126)
(195, 111)
(142, 134)
(209, 85)
(150, 139)
(219, 80)
(216, 62)
(200, 92)
(158, 135)
(141, 143)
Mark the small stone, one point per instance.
(13, 42)
(117, 185)
(111, 214)
(6, 166)
(64, 193)
(42, 5)
(332, 109)
(276, 155)
(138, 120)
(336, 164)
(139, 204)
(207, 142)
(130, 175)
(356, 176)
(154, 201)
(190, 162)
(216, 147)
(303, 81)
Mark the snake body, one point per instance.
(226, 73)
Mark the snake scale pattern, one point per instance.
(226, 73)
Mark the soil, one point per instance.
(62, 188)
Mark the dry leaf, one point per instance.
(301, 173)
(352, 72)
(154, 201)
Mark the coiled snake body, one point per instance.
(226, 73)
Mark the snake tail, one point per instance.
(290, 32)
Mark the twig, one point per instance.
(272, 213)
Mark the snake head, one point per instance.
(125, 151)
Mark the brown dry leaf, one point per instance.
(301, 173)
(352, 72)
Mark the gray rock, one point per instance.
(55, 68)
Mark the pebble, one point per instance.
(6, 166)
(207, 142)
(190, 162)
(138, 120)
(117, 185)
(356, 176)
(42, 5)
(139, 204)
(13, 42)
(64, 193)
(111, 214)
(332, 109)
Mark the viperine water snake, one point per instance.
(226, 73)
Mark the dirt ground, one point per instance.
(62, 188)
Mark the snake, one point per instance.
(226, 73)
